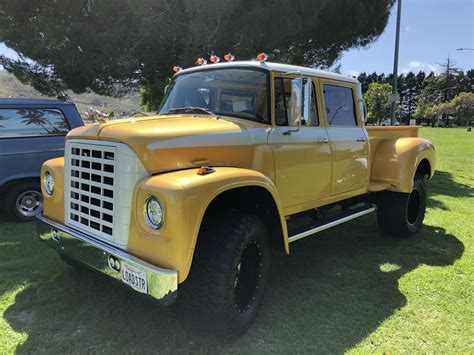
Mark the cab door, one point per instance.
(302, 158)
(347, 138)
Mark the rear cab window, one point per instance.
(32, 122)
(339, 105)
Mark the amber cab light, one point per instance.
(229, 57)
(177, 69)
(214, 59)
(201, 61)
(262, 57)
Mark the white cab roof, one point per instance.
(272, 67)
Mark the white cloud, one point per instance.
(417, 65)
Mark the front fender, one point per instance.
(396, 161)
(185, 197)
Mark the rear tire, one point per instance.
(225, 288)
(24, 201)
(401, 214)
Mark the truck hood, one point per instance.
(165, 143)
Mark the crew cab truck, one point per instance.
(243, 158)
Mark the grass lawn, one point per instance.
(344, 290)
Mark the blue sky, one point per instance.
(431, 30)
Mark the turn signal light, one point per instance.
(214, 59)
(177, 69)
(229, 57)
(201, 61)
(204, 170)
(262, 57)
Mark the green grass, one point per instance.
(344, 290)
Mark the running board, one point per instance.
(331, 224)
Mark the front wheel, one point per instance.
(24, 201)
(402, 214)
(231, 265)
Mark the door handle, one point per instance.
(322, 140)
(362, 139)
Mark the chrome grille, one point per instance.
(99, 180)
(92, 188)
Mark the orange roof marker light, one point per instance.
(177, 69)
(201, 61)
(229, 57)
(262, 57)
(214, 59)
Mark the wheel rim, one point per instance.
(29, 203)
(414, 207)
(248, 276)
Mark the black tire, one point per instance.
(401, 214)
(231, 264)
(17, 200)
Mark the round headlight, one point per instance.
(153, 212)
(49, 183)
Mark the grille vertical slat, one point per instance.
(92, 186)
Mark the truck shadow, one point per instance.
(443, 184)
(333, 291)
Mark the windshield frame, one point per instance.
(209, 67)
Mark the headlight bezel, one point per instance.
(149, 220)
(48, 182)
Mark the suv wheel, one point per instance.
(24, 201)
(224, 290)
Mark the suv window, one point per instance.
(283, 103)
(339, 103)
(27, 122)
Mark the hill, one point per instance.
(12, 87)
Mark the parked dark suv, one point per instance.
(31, 132)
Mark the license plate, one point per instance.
(134, 277)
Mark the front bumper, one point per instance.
(162, 284)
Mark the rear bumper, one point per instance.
(162, 284)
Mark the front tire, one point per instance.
(401, 214)
(225, 288)
(24, 201)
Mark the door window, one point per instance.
(339, 103)
(32, 122)
(283, 104)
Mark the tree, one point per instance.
(112, 46)
(462, 106)
(378, 106)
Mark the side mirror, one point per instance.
(300, 102)
(167, 88)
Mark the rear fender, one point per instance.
(396, 162)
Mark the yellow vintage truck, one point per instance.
(244, 158)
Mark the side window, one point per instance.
(32, 122)
(283, 103)
(339, 103)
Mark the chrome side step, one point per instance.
(331, 224)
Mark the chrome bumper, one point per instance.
(162, 284)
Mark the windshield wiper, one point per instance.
(190, 110)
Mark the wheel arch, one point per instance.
(253, 199)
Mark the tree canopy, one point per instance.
(111, 46)
(378, 106)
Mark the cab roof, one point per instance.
(277, 67)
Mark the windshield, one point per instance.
(240, 93)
